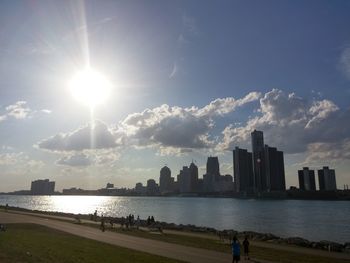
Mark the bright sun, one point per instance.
(90, 87)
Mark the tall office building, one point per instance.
(260, 181)
(152, 187)
(193, 177)
(212, 174)
(243, 170)
(165, 180)
(213, 166)
(307, 179)
(274, 169)
(184, 180)
(42, 187)
(326, 179)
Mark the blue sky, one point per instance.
(190, 79)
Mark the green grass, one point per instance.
(39, 244)
(256, 252)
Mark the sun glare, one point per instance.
(90, 87)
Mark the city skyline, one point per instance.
(184, 82)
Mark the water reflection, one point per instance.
(314, 220)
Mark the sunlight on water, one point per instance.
(308, 219)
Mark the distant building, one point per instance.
(42, 187)
(213, 182)
(307, 179)
(193, 178)
(260, 180)
(213, 171)
(109, 185)
(274, 169)
(326, 179)
(184, 180)
(152, 187)
(213, 167)
(243, 170)
(140, 189)
(166, 182)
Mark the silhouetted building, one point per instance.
(243, 170)
(184, 180)
(152, 187)
(260, 180)
(213, 166)
(140, 189)
(42, 187)
(166, 182)
(193, 178)
(212, 174)
(109, 185)
(274, 173)
(326, 179)
(307, 179)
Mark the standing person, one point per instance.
(138, 222)
(246, 248)
(102, 224)
(236, 251)
(95, 215)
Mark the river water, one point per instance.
(313, 220)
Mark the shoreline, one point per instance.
(227, 234)
(338, 195)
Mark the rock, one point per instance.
(298, 241)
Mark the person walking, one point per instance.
(102, 224)
(246, 248)
(236, 251)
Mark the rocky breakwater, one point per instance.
(227, 235)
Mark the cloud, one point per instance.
(97, 136)
(74, 160)
(18, 162)
(172, 130)
(19, 110)
(46, 111)
(227, 105)
(176, 129)
(174, 71)
(11, 158)
(328, 152)
(89, 158)
(292, 124)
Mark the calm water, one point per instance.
(313, 220)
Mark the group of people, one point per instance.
(150, 220)
(130, 221)
(236, 249)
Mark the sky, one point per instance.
(188, 80)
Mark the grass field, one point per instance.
(39, 244)
(270, 254)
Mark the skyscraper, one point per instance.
(260, 181)
(307, 179)
(42, 187)
(326, 179)
(193, 177)
(184, 180)
(213, 166)
(274, 169)
(165, 180)
(243, 170)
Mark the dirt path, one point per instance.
(188, 254)
(294, 249)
